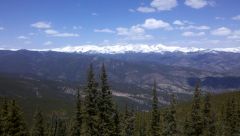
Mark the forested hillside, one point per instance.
(95, 113)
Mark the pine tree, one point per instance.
(15, 122)
(91, 105)
(38, 126)
(117, 128)
(231, 119)
(170, 125)
(129, 119)
(105, 106)
(77, 126)
(61, 128)
(3, 117)
(155, 122)
(209, 127)
(196, 116)
(187, 130)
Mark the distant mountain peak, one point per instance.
(135, 48)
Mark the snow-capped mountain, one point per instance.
(133, 48)
(139, 48)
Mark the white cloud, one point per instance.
(105, 30)
(164, 4)
(47, 43)
(1, 28)
(201, 27)
(236, 17)
(41, 25)
(152, 23)
(178, 22)
(222, 31)
(197, 4)
(192, 34)
(22, 37)
(145, 9)
(133, 33)
(55, 33)
(51, 32)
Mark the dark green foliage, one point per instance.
(15, 125)
(187, 130)
(91, 104)
(170, 124)
(105, 106)
(3, 117)
(116, 125)
(231, 125)
(196, 113)
(129, 122)
(155, 125)
(77, 124)
(39, 125)
(61, 128)
(209, 124)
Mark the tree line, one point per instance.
(96, 114)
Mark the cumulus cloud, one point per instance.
(197, 4)
(133, 33)
(105, 30)
(164, 4)
(55, 33)
(152, 23)
(41, 25)
(222, 31)
(146, 9)
(178, 22)
(192, 34)
(236, 17)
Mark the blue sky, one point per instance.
(46, 24)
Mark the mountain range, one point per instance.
(57, 73)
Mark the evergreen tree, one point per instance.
(187, 130)
(105, 106)
(170, 125)
(15, 123)
(3, 117)
(209, 128)
(231, 119)
(38, 126)
(61, 128)
(129, 119)
(155, 122)
(91, 105)
(196, 116)
(117, 128)
(77, 126)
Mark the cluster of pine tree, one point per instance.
(97, 115)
